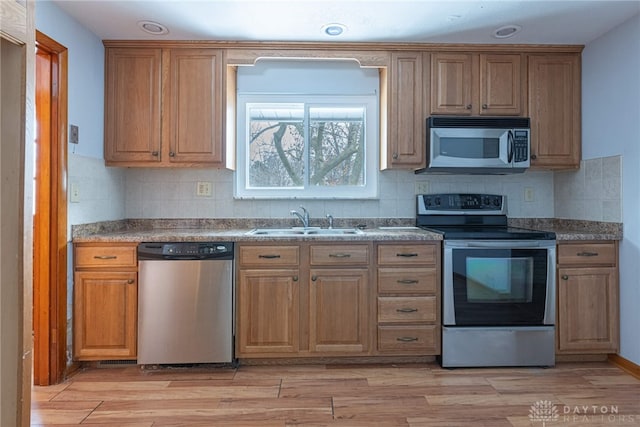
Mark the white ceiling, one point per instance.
(428, 21)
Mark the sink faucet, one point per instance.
(304, 217)
(330, 218)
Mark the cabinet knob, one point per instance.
(172, 154)
(314, 278)
(484, 106)
(533, 157)
(295, 278)
(130, 282)
(468, 107)
(565, 277)
(154, 153)
(395, 156)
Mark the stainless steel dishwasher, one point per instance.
(185, 303)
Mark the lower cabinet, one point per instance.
(408, 298)
(588, 314)
(105, 302)
(268, 311)
(318, 306)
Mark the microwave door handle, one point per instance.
(510, 146)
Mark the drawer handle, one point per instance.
(339, 255)
(565, 277)
(407, 339)
(408, 281)
(406, 310)
(407, 255)
(269, 256)
(105, 256)
(587, 254)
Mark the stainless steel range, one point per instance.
(498, 290)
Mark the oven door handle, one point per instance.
(495, 245)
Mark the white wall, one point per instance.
(610, 127)
(101, 189)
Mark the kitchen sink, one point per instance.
(302, 231)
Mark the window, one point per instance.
(307, 145)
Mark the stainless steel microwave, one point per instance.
(477, 145)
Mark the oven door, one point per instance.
(499, 282)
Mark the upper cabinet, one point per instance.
(163, 107)
(477, 84)
(554, 108)
(406, 121)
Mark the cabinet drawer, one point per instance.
(423, 338)
(105, 255)
(407, 254)
(274, 255)
(339, 254)
(407, 280)
(407, 309)
(590, 254)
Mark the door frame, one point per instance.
(50, 221)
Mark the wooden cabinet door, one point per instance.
(588, 310)
(132, 105)
(452, 83)
(105, 315)
(406, 142)
(554, 108)
(501, 85)
(194, 103)
(339, 311)
(268, 312)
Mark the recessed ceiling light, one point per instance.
(153, 28)
(506, 31)
(334, 29)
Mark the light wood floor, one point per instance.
(329, 395)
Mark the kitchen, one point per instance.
(113, 194)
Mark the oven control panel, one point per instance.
(458, 203)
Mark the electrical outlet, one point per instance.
(204, 189)
(74, 192)
(422, 187)
(529, 194)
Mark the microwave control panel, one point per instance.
(520, 145)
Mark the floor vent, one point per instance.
(115, 363)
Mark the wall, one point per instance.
(101, 188)
(611, 127)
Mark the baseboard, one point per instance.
(625, 364)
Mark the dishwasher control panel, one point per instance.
(185, 250)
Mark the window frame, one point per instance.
(371, 152)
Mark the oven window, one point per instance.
(499, 280)
(495, 287)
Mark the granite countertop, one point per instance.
(237, 230)
(160, 230)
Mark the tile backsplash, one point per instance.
(594, 192)
(161, 193)
(591, 193)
